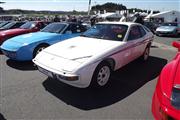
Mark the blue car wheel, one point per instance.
(39, 48)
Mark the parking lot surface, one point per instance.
(28, 94)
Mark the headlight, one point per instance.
(175, 97)
(68, 78)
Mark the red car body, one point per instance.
(166, 99)
(6, 34)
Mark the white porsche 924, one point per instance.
(89, 59)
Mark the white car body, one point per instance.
(81, 55)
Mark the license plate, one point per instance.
(46, 72)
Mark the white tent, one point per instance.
(168, 16)
(109, 15)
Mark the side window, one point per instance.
(134, 33)
(68, 29)
(17, 25)
(40, 25)
(74, 28)
(143, 32)
(82, 28)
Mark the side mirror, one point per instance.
(176, 45)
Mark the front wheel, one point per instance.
(101, 75)
(39, 49)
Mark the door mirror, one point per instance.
(176, 45)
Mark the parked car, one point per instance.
(12, 25)
(166, 99)
(170, 29)
(25, 47)
(28, 27)
(88, 60)
(3, 23)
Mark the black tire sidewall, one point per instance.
(94, 83)
(37, 48)
(143, 57)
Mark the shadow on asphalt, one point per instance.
(123, 83)
(2, 117)
(19, 65)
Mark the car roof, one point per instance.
(122, 23)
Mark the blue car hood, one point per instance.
(34, 37)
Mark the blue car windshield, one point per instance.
(54, 28)
(114, 32)
(28, 25)
(169, 24)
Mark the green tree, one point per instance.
(109, 7)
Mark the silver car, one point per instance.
(170, 29)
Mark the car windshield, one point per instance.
(169, 24)
(3, 23)
(9, 25)
(54, 28)
(28, 25)
(107, 31)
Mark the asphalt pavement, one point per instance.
(28, 94)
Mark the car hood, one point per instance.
(13, 31)
(34, 37)
(81, 47)
(166, 28)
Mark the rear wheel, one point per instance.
(38, 49)
(146, 53)
(101, 75)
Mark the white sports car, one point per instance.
(89, 59)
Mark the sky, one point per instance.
(82, 5)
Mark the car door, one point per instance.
(142, 42)
(134, 40)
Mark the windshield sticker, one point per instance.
(119, 36)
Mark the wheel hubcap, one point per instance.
(103, 75)
(40, 49)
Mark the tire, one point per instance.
(101, 75)
(39, 49)
(146, 53)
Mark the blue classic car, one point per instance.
(26, 47)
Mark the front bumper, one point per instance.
(18, 55)
(58, 76)
(81, 78)
(169, 33)
(9, 54)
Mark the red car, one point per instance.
(166, 99)
(32, 26)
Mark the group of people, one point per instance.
(136, 18)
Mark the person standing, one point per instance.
(123, 18)
(138, 19)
